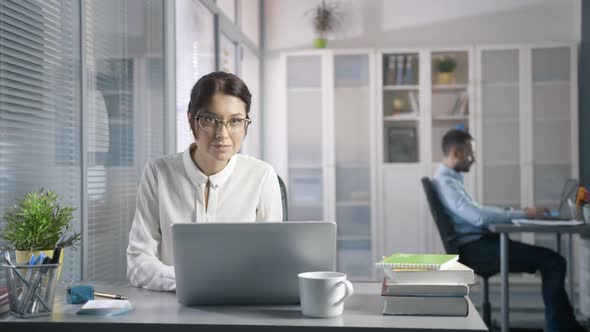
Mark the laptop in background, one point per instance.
(248, 263)
(568, 192)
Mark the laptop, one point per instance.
(569, 193)
(248, 263)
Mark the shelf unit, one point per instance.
(417, 115)
(447, 87)
(401, 87)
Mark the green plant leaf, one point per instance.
(38, 222)
(446, 65)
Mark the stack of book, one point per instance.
(4, 304)
(425, 284)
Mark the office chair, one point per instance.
(449, 236)
(283, 197)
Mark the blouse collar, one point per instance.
(199, 178)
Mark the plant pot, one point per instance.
(446, 78)
(320, 43)
(23, 257)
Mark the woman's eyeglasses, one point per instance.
(234, 126)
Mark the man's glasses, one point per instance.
(234, 126)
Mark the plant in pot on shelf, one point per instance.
(446, 69)
(38, 224)
(325, 18)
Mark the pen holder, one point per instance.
(31, 289)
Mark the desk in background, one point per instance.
(159, 311)
(505, 229)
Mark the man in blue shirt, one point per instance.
(477, 251)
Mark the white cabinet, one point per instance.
(310, 169)
(527, 126)
(498, 152)
(330, 163)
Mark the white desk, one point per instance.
(159, 311)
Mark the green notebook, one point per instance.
(417, 261)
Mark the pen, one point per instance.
(110, 296)
(40, 259)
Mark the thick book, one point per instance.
(425, 306)
(417, 261)
(454, 273)
(106, 307)
(392, 289)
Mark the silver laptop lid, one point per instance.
(248, 263)
(569, 191)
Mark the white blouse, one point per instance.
(172, 190)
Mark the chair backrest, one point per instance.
(283, 198)
(441, 218)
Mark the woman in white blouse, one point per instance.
(208, 182)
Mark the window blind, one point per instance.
(40, 106)
(123, 51)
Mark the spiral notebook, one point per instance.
(417, 261)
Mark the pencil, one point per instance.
(110, 296)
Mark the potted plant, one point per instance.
(325, 18)
(446, 68)
(38, 223)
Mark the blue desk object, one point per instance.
(159, 311)
(79, 294)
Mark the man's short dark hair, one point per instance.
(454, 138)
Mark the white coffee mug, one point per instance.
(323, 294)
